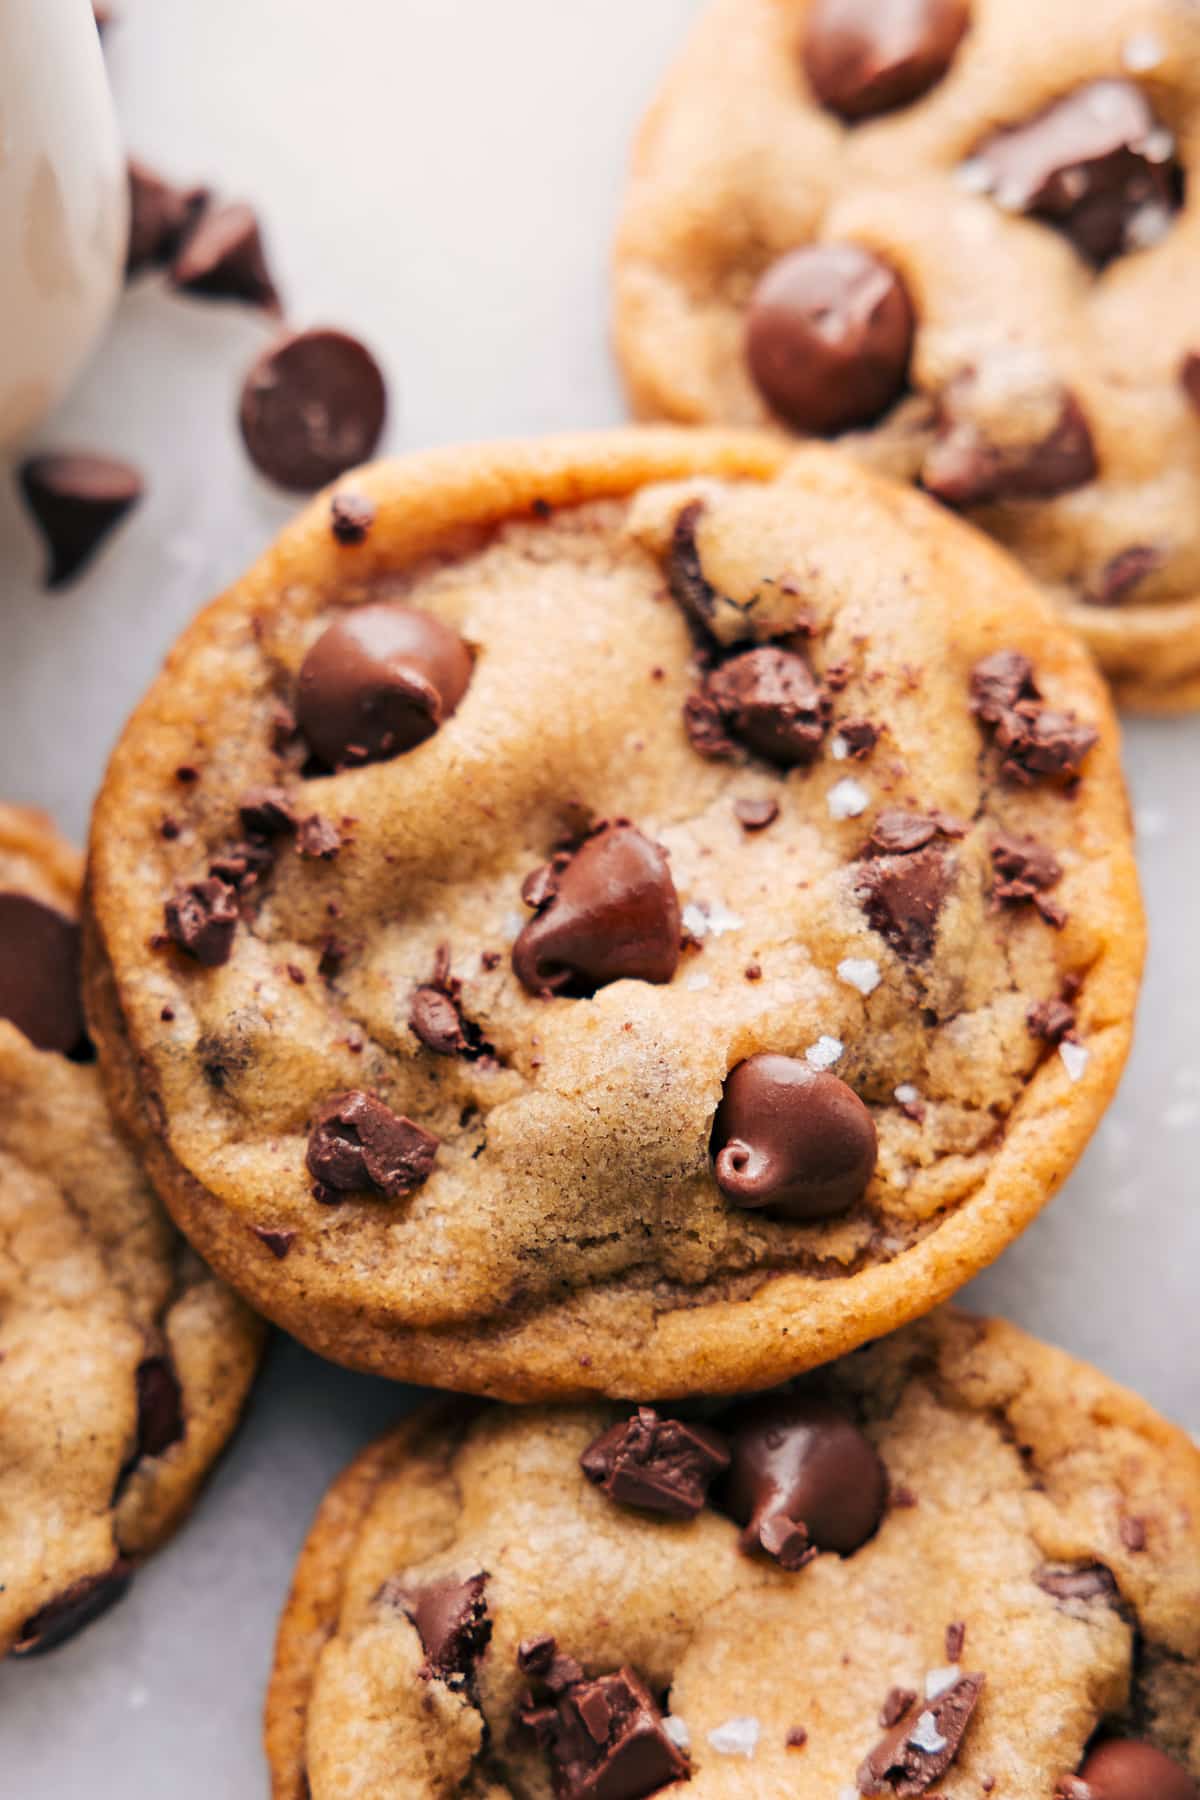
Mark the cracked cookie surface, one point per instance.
(123, 1362)
(1033, 1581)
(426, 1049)
(965, 236)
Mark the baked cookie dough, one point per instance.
(123, 1363)
(963, 236)
(631, 914)
(957, 1562)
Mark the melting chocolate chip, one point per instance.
(792, 1140)
(266, 811)
(897, 833)
(277, 1242)
(860, 737)
(452, 1622)
(379, 681)
(1024, 870)
(74, 1608)
(201, 917)
(357, 1143)
(1123, 573)
(755, 815)
(1034, 739)
(921, 1746)
(160, 1407)
(160, 216)
(39, 973)
(76, 499)
(351, 517)
(1051, 1020)
(768, 700)
(318, 839)
(1096, 164)
(605, 1740)
(828, 337)
(964, 468)
(802, 1470)
(685, 576)
(865, 57)
(1128, 1769)
(902, 897)
(1089, 1581)
(312, 406)
(609, 912)
(222, 258)
(662, 1465)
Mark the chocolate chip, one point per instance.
(859, 736)
(605, 1740)
(452, 1622)
(1096, 164)
(956, 1637)
(535, 1655)
(767, 699)
(1123, 573)
(964, 468)
(609, 913)
(1089, 1581)
(755, 815)
(998, 682)
(277, 1242)
(1132, 1533)
(921, 1746)
(160, 1407)
(351, 517)
(799, 1461)
(902, 898)
(897, 833)
(312, 406)
(76, 499)
(160, 215)
(706, 729)
(435, 1019)
(201, 917)
(685, 577)
(865, 57)
(266, 811)
(222, 258)
(1034, 739)
(662, 1465)
(796, 1738)
(1127, 1769)
(318, 839)
(1024, 870)
(39, 973)
(74, 1608)
(828, 337)
(896, 1703)
(792, 1140)
(243, 863)
(379, 681)
(357, 1143)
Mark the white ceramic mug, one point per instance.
(64, 204)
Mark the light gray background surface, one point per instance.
(441, 176)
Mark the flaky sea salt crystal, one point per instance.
(926, 1736)
(736, 1737)
(839, 749)
(1075, 1058)
(847, 798)
(695, 983)
(695, 919)
(824, 1053)
(860, 972)
(720, 919)
(906, 1094)
(938, 1680)
(677, 1731)
(1142, 51)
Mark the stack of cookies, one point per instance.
(624, 927)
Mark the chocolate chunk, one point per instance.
(769, 700)
(921, 1746)
(74, 1608)
(607, 913)
(662, 1465)
(243, 863)
(1051, 1020)
(317, 838)
(436, 1020)
(896, 1703)
(796, 1738)
(799, 1460)
(956, 1637)
(160, 1407)
(160, 215)
(865, 57)
(1132, 1533)
(1034, 739)
(1123, 573)
(998, 682)
(39, 973)
(1096, 164)
(791, 1139)
(964, 468)
(1127, 1769)
(903, 898)
(1088, 1581)
(358, 1143)
(201, 918)
(859, 736)
(755, 815)
(605, 1740)
(222, 258)
(379, 681)
(266, 811)
(351, 517)
(76, 499)
(452, 1622)
(312, 406)
(685, 577)
(706, 729)
(897, 833)
(535, 1655)
(277, 1242)
(1024, 870)
(828, 337)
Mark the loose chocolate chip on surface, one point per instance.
(222, 258)
(799, 1460)
(76, 500)
(378, 682)
(318, 839)
(76, 1607)
(605, 1740)
(903, 897)
(1088, 1581)
(266, 811)
(865, 57)
(792, 1140)
(964, 468)
(768, 700)
(921, 1746)
(755, 815)
(1096, 164)
(160, 1407)
(39, 973)
(357, 1143)
(312, 406)
(201, 918)
(351, 517)
(452, 1621)
(1127, 1769)
(608, 913)
(160, 215)
(436, 1020)
(662, 1465)
(828, 337)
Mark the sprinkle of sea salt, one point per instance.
(694, 983)
(676, 1729)
(736, 1737)
(847, 798)
(839, 749)
(710, 917)
(906, 1094)
(824, 1053)
(860, 972)
(1075, 1058)
(695, 920)
(938, 1680)
(926, 1736)
(1142, 51)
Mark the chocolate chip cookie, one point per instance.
(631, 914)
(957, 1563)
(123, 1363)
(962, 237)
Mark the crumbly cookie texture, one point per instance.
(123, 1362)
(1028, 175)
(1032, 1580)
(760, 764)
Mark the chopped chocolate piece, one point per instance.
(358, 1143)
(266, 811)
(169, 829)
(187, 773)
(662, 1465)
(859, 736)
(313, 406)
(76, 1607)
(1124, 572)
(1132, 1533)
(796, 1738)
(222, 258)
(1128, 1769)
(76, 499)
(277, 1242)
(903, 898)
(921, 1746)
(452, 1622)
(705, 728)
(318, 838)
(535, 1655)
(685, 577)
(1034, 739)
(895, 1705)
(828, 337)
(436, 1020)
(897, 833)
(865, 57)
(769, 700)
(1024, 870)
(755, 815)
(753, 971)
(378, 682)
(39, 973)
(1088, 1581)
(999, 682)
(800, 1461)
(605, 1740)
(160, 216)
(791, 1139)
(160, 1407)
(609, 912)
(351, 517)
(242, 864)
(201, 917)
(333, 955)
(964, 468)
(956, 1637)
